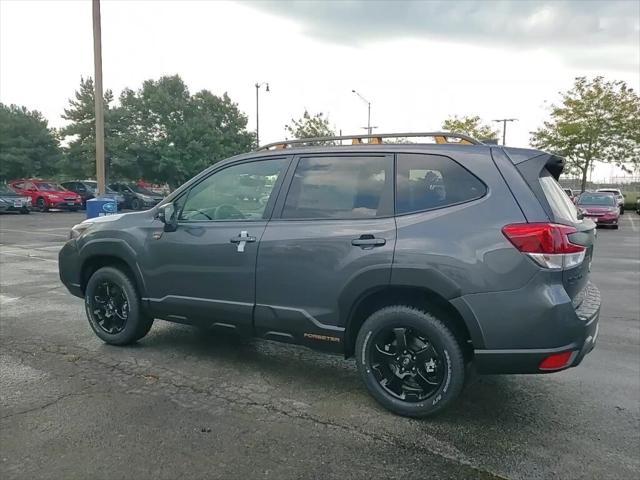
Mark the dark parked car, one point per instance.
(87, 189)
(417, 259)
(136, 197)
(601, 207)
(10, 201)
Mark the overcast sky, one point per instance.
(417, 62)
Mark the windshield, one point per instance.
(5, 190)
(141, 190)
(93, 186)
(594, 199)
(50, 187)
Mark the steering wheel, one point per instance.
(202, 212)
(227, 212)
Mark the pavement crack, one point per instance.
(48, 404)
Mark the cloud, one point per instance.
(596, 29)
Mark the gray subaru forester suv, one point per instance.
(419, 259)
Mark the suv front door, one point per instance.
(331, 235)
(204, 272)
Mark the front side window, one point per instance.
(239, 192)
(426, 182)
(340, 187)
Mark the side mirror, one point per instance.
(167, 215)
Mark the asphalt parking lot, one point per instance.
(180, 404)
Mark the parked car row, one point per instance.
(27, 193)
(10, 201)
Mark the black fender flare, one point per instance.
(377, 278)
(114, 247)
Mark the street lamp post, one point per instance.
(258, 85)
(504, 127)
(369, 127)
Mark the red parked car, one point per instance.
(602, 208)
(46, 194)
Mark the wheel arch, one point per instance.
(114, 253)
(414, 296)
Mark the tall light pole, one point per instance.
(98, 98)
(258, 85)
(369, 127)
(504, 127)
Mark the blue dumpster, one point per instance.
(101, 206)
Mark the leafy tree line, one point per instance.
(163, 133)
(160, 132)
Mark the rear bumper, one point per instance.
(527, 360)
(604, 220)
(64, 205)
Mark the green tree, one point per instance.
(597, 120)
(80, 133)
(28, 147)
(310, 126)
(165, 134)
(471, 126)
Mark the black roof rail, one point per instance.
(374, 139)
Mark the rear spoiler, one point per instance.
(552, 162)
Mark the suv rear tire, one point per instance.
(416, 377)
(113, 307)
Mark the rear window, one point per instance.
(426, 182)
(562, 207)
(340, 187)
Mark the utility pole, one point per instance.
(99, 100)
(504, 127)
(258, 85)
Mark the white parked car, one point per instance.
(616, 193)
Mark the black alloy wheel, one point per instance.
(113, 307)
(410, 360)
(406, 364)
(41, 204)
(110, 307)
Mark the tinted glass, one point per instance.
(239, 192)
(340, 187)
(561, 205)
(597, 199)
(426, 182)
(142, 190)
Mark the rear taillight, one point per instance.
(547, 244)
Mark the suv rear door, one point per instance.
(332, 231)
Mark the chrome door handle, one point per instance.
(242, 240)
(368, 241)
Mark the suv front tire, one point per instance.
(113, 307)
(410, 362)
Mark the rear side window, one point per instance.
(341, 187)
(562, 207)
(425, 182)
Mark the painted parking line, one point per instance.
(633, 223)
(13, 254)
(34, 232)
(4, 299)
